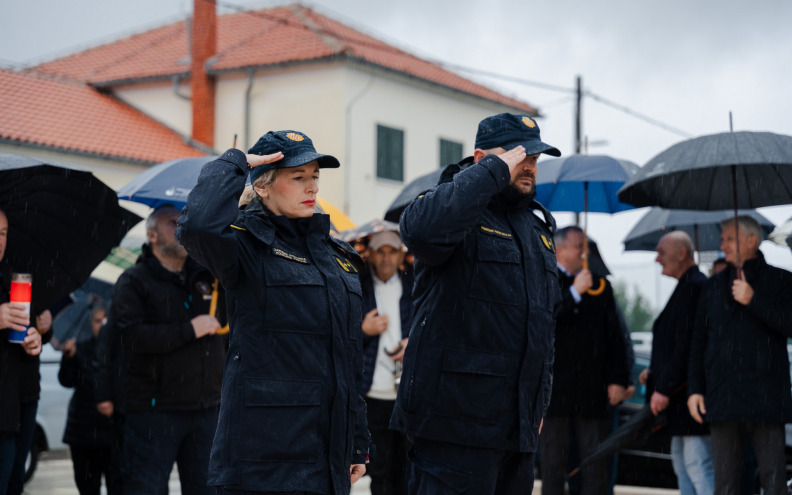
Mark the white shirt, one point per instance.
(572, 290)
(387, 294)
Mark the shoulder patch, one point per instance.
(548, 242)
(495, 232)
(347, 265)
(236, 227)
(289, 256)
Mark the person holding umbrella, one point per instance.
(738, 377)
(666, 376)
(292, 419)
(19, 376)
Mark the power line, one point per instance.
(637, 115)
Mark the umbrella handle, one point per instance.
(598, 290)
(223, 330)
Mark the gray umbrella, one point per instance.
(718, 172)
(706, 173)
(702, 226)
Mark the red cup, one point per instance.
(21, 288)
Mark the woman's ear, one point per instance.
(263, 192)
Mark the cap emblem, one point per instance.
(295, 136)
(527, 121)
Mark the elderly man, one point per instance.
(589, 374)
(476, 378)
(739, 367)
(666, 377)
(387, 305)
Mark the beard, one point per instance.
(174, 250)
(513, 195)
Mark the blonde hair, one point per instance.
(265, 179)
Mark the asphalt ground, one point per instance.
(54, 476)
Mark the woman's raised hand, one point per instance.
(256, 160)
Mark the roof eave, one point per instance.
(76, 152)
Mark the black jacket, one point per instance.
(85, 426)
(167, 367)
(477, 369)
(738, 358)
(292, 416)
(371, 344)
(668, 369)
(590, 353)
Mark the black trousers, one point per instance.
(727, 451)
(555, 444)
(440, 468)
(388, 466)
(90, 463)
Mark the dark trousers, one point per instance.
(440, 468)
(229, 491)
(14, 449)
(153, 441)
(389, 465)
(727, 449)
(555, 444)
(90, 463)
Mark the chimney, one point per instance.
(203, 45)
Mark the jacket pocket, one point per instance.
(290, 285)
(280, 420)
(472, 385)
(497, 275)
(355, 298)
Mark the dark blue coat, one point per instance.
(371, 344)
(291, 417)
(477, 369)
(672, 333)
(738, 358)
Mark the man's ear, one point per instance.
(478, 155)
(151, 235)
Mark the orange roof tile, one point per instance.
(262, 38)
(70, 116)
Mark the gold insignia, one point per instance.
(548, 243)
(346, 265)
(495, 232)
(288, 256)
(527, 121)
(294, 136)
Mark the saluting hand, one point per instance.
(741, 290)
(513, 157)
(256, 160)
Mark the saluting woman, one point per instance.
(291, 417)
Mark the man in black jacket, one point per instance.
(666, 376)
(387, 306)
(174, 363)
(739, 366)
(589, 373)
(476, 377)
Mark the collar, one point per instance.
(394, 280)
(563, 270)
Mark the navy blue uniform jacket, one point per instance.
(291, 417)
(738, 358)
(477, 369)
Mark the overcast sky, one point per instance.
(681, 63)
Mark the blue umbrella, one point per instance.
(564, 184)
(168, 182)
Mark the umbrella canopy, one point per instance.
(730, 170)
(62, 224)
(367, 229)
(562, 183)
(702, 226)
(782, 234)
(167, 182)
(410, 192)
(74, 321)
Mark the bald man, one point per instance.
(666, 377)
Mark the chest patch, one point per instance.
(548, 242)
(346, 265)
(495, 232)
(289, 256)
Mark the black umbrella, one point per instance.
(62, 224)
(722, 171)
(410, 192)
(702, 226)
(639, 426)
(74, 321)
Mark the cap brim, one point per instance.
(325, 161)
(534, 147)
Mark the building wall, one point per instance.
(159, 100)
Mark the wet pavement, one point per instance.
(54, 476)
